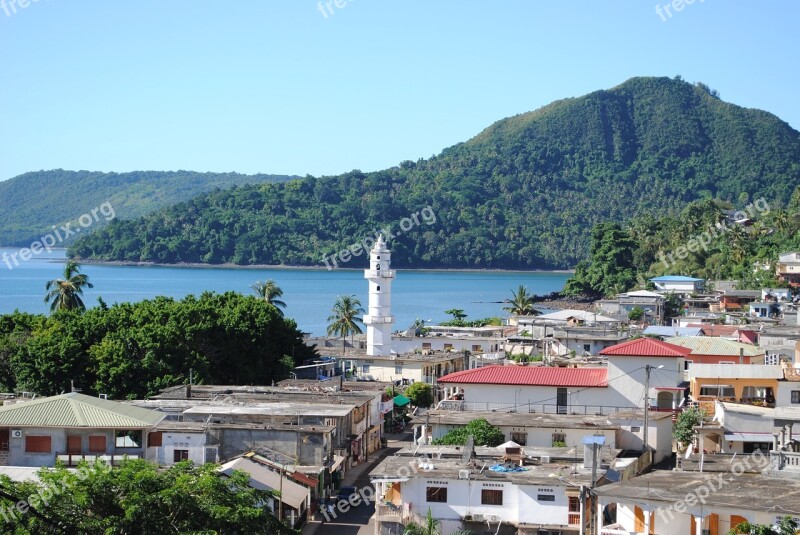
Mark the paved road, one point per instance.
(358, 520)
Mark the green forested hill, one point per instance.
(30, 204)
(524, 193)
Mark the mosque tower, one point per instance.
(379, 317)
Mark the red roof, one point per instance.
(646, 347)
(530, 376)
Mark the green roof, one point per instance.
(77, 410)
(712, 345)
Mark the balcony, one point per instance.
(70, 459)
(389, 512)
(379, 274)
(377, 320)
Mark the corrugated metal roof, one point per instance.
(263, 478)
(77, 410)
(661, 330)
(530, 376)
(645, 347)
(710, 345)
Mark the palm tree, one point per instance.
(65, 294)
(521, 303)
(430, 526)
(344, 320)
(269, 292)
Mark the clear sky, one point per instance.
(295, 87)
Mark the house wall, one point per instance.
(236, 441)
(17, 456)
(539, 437)
(171, 441)
(737, 383)
(783, 397)
(520, 503)
(675, 523)
(626, 378)
(415, 370)
(630, 436)
(438, 343)
(723, 359)
(493, 396)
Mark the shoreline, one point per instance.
(198, 265)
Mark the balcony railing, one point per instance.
(598, 410)
(574, 519)
(374, 320)
(388, 512)
(785, 460)
(375, 273)
(73, 459)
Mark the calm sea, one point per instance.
(309, 294)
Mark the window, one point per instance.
(436, 495)
(365, 368)
(559, 440)
(491, 497)
(155, 439)
(379, 288)
(128, 439)
(97, 444)
(37, 444)
(73, 444)
(180, 455)
(636, 429)
(477, 348)
(719, 391)
(795, 396)
(546, 497)
(520, 437)
(398, 370)
(574, 504)
(751, 447)
(587, 348)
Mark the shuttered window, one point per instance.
(154, 439)
(97, 444)
(38, 444)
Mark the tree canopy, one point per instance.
(138, 498)
(485, 434)
(136, 349)
(520, 195)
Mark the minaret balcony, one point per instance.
(377, 320)
(379, 273)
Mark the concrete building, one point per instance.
(586, 390)
(712, 350)
(751, 384)
(678, 284)
(72, 428)
(668, 502)
(788, 268)
(537, 492)
(621, 430)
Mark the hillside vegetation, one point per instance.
(32, 203)
(522, 194)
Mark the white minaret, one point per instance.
(379, 317)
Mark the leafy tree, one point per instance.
(786, 526)
(270, 292)
(429, 526)
(684, 432)
(485, 434)
(521, 303)
(457, 313)
(420, 394)
(137, 498)
(344, 319)
(636, 313)
(135, 350)
(65, 294)
(611, 268)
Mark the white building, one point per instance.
(379, 317)
(484, 493)
(678, 284)
(586, 390)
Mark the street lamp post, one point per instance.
(647, 369)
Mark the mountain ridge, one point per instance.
(521, 194)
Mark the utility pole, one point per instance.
(647, 369)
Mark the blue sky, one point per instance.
(276, 86)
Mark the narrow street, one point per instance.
(358, 520)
